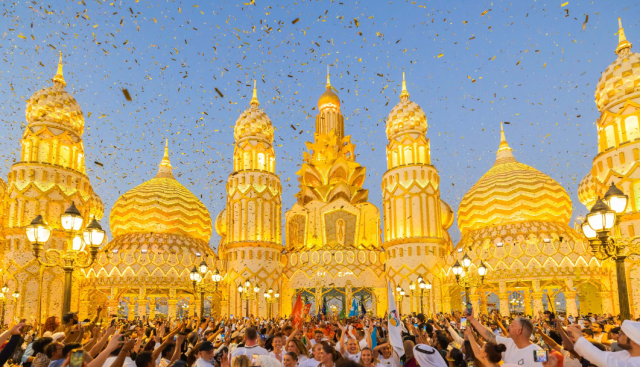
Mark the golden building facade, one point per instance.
(617, 97)
(515, 220)
(333, 252)
(250, 225)
(48, 177)
(416, 219)
(160, 232)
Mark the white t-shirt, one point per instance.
(569, 360)
(273, 355)
(310, 362)
(521, 357)
(128, 362)
(202, 363)
(249, 351)
(363, 343)
(302, 360)
(392, 361)
(353, 357)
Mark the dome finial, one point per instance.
(59, 77)
(165, 169)
(328, 78)
(254, 99)
(623, 44)
(404, 95)
(504, 150)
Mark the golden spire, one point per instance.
(328, 78)
(404, 95)
(59, 77)
(623, 44)
(504, 150)
(165, 169)
(254, 98)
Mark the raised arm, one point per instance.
(484, 331)
(474, 345)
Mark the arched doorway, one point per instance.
(589, 299)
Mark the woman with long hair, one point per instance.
(50, 326)
(366, 358)
(455, 358)
(296, 346)
(329, 356)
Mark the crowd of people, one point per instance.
(457, 339)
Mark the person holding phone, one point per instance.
(520, 350)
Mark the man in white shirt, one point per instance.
(519, 347)
(387, 357)
(205, 355)
(362, 341)
(128, 362)
(628, 340)
(251, 346)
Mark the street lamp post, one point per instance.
(412, 290)
(400, 296)
(246, 294)
(39, 233)
(16, 295)
(464, 278)
(270, 298)
(197, 275)
(602, 228)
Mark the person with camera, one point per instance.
(628, 340)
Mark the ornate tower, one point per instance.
(333, 252)
(415, 218)
(250, 224)
(617, 96)
(49, 175)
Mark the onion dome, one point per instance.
(161, 205)
(54, 107)
(253, 122)
(446, 215)
(512, 192)
(621, 80)
(221, 223)
(587, 190)
(329, 98)
(406, 116)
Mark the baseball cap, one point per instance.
(205, 347)
(68, 316)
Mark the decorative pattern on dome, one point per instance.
(587, 190)
(328, 99)
(406, 116)
(512, 192)
(527, 245)
(161, 205)
(254, 122)
(621, 80)
(54, 106)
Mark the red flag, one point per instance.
(307, 308)
(297, 311)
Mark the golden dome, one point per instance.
(253, 122)
(406, 116)
(446, 215)
(587, 191)
(512, 192)
(221, 223)
(621, 80)
(161, 205)
(54, 107)
(329, 98)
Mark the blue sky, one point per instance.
(469, 64)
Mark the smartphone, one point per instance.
(469, 309)
(77, 358)
(113, 322)
(231, 317)
(463, 323)
(540, 355)
(222, 337)
(254, 359)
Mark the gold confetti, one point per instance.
(565, 4)
(440, 55)
(126, 94)
(484, 12)
(295, 21)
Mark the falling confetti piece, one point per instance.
(484, 12)
(219, 93)
(98, 163)
(127, 96)
(565, 4)
(295, 21)
(440, 55)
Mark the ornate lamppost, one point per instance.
(3, 298)
(16, 295)
(75, 255)
(246, 294)
(464, 278)
(603, 231)
(399, 297)
(270, 298)
(423, 287)
(197, 275)
(412, 291)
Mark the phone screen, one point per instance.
(77, 358)
(540, 355)
(254, 359)
(463, 323)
